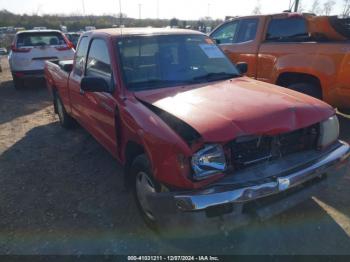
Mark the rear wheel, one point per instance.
(345, 111)
(66, 120)
(144, 186)
(18, 83)
(307, 88)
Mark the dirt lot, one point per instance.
(62, 193)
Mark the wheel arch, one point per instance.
(132, 150)
(54, 96)
(287, 78)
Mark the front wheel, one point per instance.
(144, 186)
(66, 120)
(307, 88)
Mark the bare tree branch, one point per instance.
(301, 7)
(315, 7)
(328, 7)
(346, 10)
(257, 8)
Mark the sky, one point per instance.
(182, 9)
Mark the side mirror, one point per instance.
(217, 41)
(242, 67)
(94, 84)
(66, 65)
(67, 68)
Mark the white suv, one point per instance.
(30, 50)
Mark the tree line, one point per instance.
(318, 7)
(78, 22)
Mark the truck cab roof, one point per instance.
(143, 31)
(39, 31)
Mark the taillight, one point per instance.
(62, 48)
(20, 50)
(19, 74)
(66, 47)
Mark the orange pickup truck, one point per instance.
(303, 52)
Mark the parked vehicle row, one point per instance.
(30, 50)
(3, 51)
(302, 52)
(200, 142)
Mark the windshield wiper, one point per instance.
(155, 83)
(215, 76)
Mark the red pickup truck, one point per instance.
(198, 140)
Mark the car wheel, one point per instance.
(307, 88)
(345, 111)
(18, 83)
(144, 185)
(66, 120)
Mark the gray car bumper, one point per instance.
(229, 202)
(32, 74)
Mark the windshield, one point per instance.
(151, 62)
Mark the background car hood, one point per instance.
(221, 111)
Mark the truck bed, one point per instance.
(57, 74)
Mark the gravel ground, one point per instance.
(62, 193)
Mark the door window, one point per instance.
(98, 62)
(80, 56)
(247, 30)
(226, 33)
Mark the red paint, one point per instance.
(219, 111)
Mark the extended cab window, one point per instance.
(80, 56)
(287, 30)
(98, 62)
(226, 33)
(247, 30)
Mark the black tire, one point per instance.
(345, 111)
(139, 166)
(66, 120)
(307, 88)
(18, 83)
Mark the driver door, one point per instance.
(99, 107)
(238, 41)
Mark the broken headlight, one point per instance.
(208, 161)
(329, 131)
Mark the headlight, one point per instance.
(208, 162)
(329, 131)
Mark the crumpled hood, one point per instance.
(222, 111)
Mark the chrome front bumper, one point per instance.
(191, 207)
(222, 195)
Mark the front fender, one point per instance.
(162, 145)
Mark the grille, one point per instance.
(249, 151)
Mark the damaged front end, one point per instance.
(257, 192)
(185, 131)
(261, 175)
